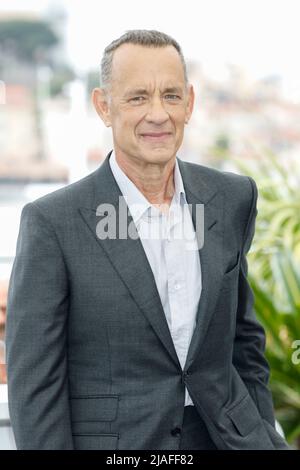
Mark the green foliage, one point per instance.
(282, 324)
(61, 76)
(274, 274)
(219, 151)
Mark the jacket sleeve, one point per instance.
(36, 337)
(249, 345)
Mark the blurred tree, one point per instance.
(274, 274)
(219, 151)
(62, 75)
(29, 44)
(27, 40)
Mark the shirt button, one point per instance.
(177, 286)
(176, 432)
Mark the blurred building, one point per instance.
(23, 153)
(240, 117)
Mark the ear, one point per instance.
(100, 100)
(190, 103)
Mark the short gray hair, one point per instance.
(143, 37)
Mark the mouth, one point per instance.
(156, 136)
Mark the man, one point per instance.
(138, 341)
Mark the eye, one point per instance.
(137, 99)
(172, 97)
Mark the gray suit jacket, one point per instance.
(91, 362)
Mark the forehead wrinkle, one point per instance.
(143, 90)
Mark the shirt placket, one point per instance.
(176, 278)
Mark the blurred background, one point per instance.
(243, 61)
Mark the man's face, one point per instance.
(149, 103)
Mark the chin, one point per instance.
(158, 155)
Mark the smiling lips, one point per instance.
(156, 136)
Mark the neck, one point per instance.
(155, 181)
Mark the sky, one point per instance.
(260, 35)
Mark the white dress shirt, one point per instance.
(170, 245)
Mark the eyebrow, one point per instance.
(175, 90)
(143, 91)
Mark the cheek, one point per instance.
(179, 126)
(178, 118)
(121, 127)
(128, 124)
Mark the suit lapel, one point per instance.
(200, 191)
(129, 259)
(211, 269)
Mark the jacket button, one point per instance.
(176, 432)
(184, 375)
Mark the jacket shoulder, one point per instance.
(234, 185)
(59, 207)
(66, 198)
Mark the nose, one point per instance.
(156, 112)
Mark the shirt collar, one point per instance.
(135, 199)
